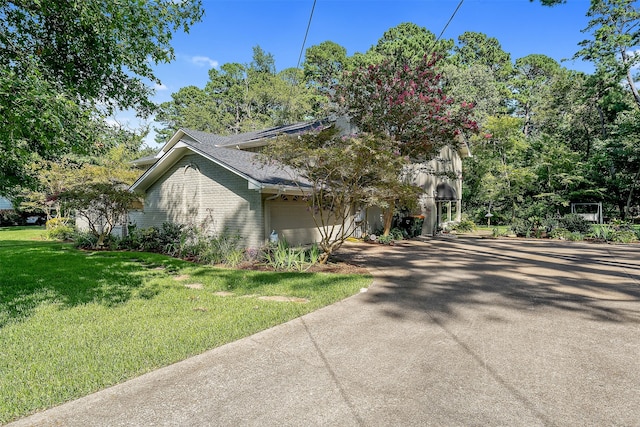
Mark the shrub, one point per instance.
(602, 232)
(575, 223)
(396, 234)
(496, 232)
(84, 240)
(624, 236)
(59, 229)
(465, 226)
(575, 236)
(560, 233)
(522, 227)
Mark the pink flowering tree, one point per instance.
(405, 104)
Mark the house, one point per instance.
(219, 183)
(5, 204)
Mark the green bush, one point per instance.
(575, 236)
(602, 232)
(624, 236)
(560, 233)
(496, 232)
(522, 227)
(575, 223)
(59, 229)
(84, 240)
(464, 226)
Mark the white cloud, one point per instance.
(160, 86)
(204, 60)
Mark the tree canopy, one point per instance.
(66, 64)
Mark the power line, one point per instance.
(306, 34)
(449, 22)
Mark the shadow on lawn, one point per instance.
(435, 276)
(33, 273)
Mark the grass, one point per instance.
(74, 322)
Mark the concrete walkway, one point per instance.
(454, 332)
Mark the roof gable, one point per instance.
(259, 175)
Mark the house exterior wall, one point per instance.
(446, 167)
(291, 219)
(5, 204)
(199, 192)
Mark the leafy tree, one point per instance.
(534, 74)
(193, 108)
(475, 85)
(324, 64)
(498, 175)
(101, 205)
(68, 62)
(241, 98)
(615, 31)
(404, 44)
(405, 104)
(341, 173)
(615, 164)
(54, 177)
(479, 49)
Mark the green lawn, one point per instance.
(74, 322)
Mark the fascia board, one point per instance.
(162, 165)
(172, 142)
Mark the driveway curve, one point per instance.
(452, 332)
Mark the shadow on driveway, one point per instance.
(454, 332)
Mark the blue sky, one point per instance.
(231, 28)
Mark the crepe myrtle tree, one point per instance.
(102, 205)
(406, 105)
(337, 175)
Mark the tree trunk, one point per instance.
(388, 218)
(632, 86)
(627, 208)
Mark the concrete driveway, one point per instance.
(452, 332)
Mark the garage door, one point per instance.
(293, 221)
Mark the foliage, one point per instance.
(89, 320)
(59, 229)
(404, 44)
(465, 225)
(241, 98)
(523, 227)
(70, 63)
(615, 39)
(400, 100)
(281, 257)
(101, 206)
(560, 233)
(498, 232)
(406, 104)
(337, 173)
(575, 223)
(53, 177)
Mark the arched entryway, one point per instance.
(446, 199)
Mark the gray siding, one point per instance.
(199, 192)
(429, 175)
(5, 204)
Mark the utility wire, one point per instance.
(449, 22)
(304, 42)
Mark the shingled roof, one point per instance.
(254, 138)
(250, 165)
(228, 152)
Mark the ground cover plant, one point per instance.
(73, 322)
